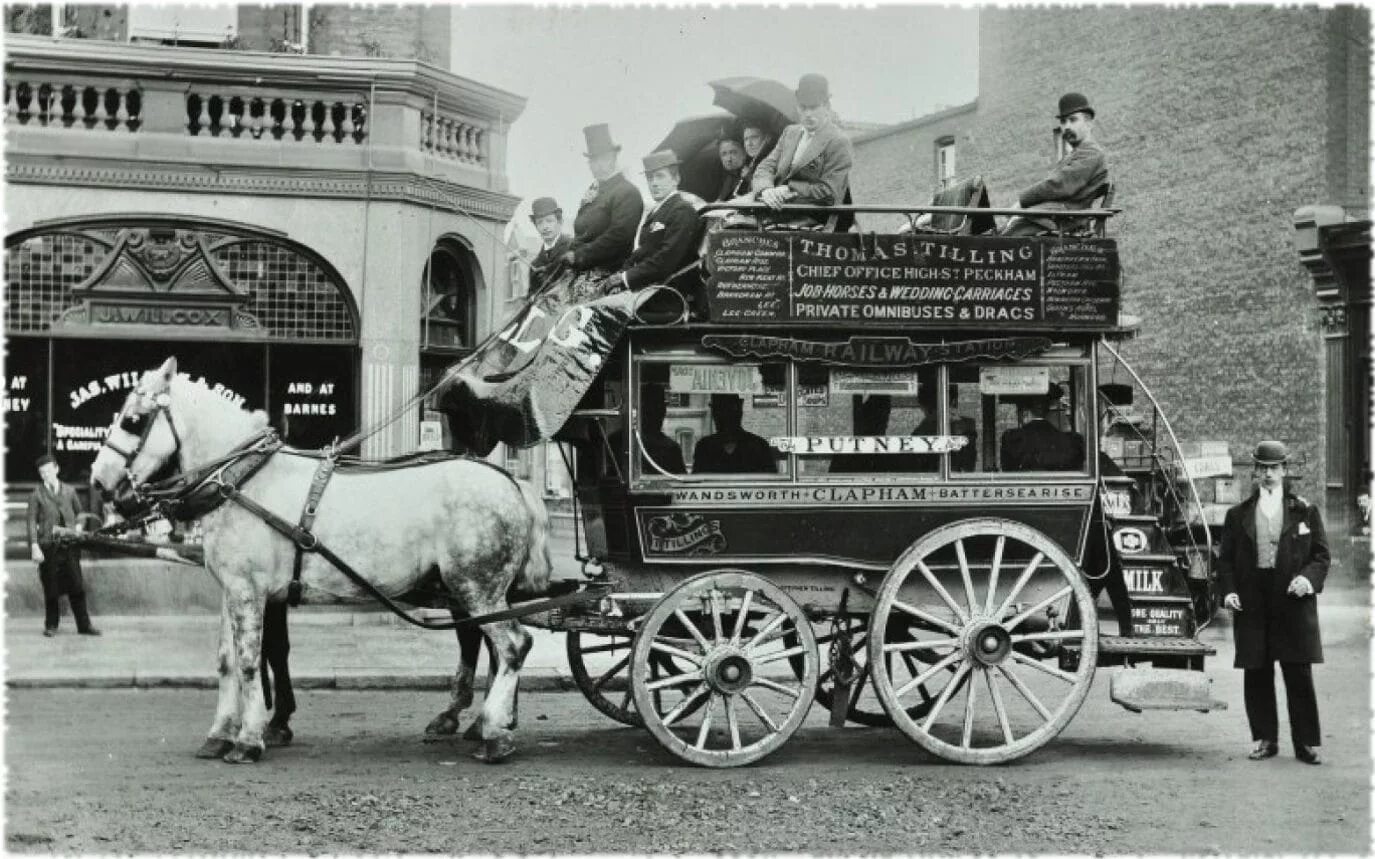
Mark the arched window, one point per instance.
(450, 300)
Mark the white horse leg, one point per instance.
(510, 642)
(246, 619)
(226, 724)
(461, 691)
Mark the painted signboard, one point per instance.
(941, 281)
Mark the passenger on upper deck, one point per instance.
(811, 163)
(604, 230)
(548, 220)
(732, 154)
(665, 240)
(731, 449)
(1039, 445)
(1075, 181)
(758, 144)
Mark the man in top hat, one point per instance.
(1038, 444)
(53, 508)
(811, 163)
(604, 229)
(1075, 181)
(548, 220)
(665, 240)
(1273, 563)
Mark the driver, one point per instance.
(731, 449)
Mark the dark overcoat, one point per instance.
(60, 571)
(1271, 624)
(604, 230)
(547, 262)
(667, 241)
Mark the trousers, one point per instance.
(60, 573)
(1259, 686)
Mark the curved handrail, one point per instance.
(902, 210)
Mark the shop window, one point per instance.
(312, 392)
(26, 406)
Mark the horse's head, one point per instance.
(142, 439)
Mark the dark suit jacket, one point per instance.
(666, 243)
(1271, 624)
(1073, 183)
(47, 510)
(604, 229)
(752, 455)
(1038, 445)
(820, 175)
(547, 260)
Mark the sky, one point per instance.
(642, 69)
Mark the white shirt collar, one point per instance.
(550, 245)
(1270, 500)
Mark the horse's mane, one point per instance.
(197, 391)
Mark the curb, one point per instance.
(546, 682)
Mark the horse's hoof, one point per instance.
(277, 735)
(444, 723)
(213, 749)
(495, 750)
(241, 754)
(474, 731)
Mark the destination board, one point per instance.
(937, 281)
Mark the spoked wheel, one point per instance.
(736, 701)
(864, 707)
(600, 665)
(990, 657)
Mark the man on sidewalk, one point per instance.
(52, 506)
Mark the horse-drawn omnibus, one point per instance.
(865, 470)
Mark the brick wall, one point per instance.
(263, 28)
(1219, 123)
(419, 32)
(897, 165)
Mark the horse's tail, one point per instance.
(534, 577)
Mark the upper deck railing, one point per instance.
(136, 103)
(779, 275)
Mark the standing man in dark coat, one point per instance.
(664, 243)
(54, 505)
(547, 217)
(604, 230)
(1273, 564)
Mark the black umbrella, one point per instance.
(694, 141)
(760, 99)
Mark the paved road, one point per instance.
(112, 771)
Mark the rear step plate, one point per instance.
(1139, 689)
(1145, 645)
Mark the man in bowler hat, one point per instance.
(811, 163)
(1075, 181)
(1273, 563)
(547, 217)
(665, 240)
(53, 507)
(604, 229)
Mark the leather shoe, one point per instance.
(1307, 754)
(1264, 749)
(49, 633)
(89, 631)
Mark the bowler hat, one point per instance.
(1074, 102)
(45, 459)
(659, 160)
(544, 206)
(812, 90)
(599, 140)
(1270, 453)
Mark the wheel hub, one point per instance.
(728, 671)
(987, 642)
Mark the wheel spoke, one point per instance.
(674, 680)
(964, 574)
(612, 672)
(782, 654)
(998, 707)
(628, 699)
(928, 674)
(740, 618)
(993, 573)
(761, 636)
(759, 712)
(715, 601)
(775, 686)
(904, 646)
(606, 648)
(704, 730)
(945, 696)
(1021, 583)
(1042, 667)
(1053, 598)
(942, 592)
(677, 712)
(692, 628)
(660, 647)
(1026, 693)
(734, 722)
(929, 618)
(861, 679)
(1054, 635)
(969, 714)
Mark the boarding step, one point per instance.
(1144, 645)
(1140, 689)
(1147, 520)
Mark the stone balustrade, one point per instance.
(453, 137)
(340, 118)
(41, 102)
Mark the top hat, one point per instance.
(812, 90)
(1074, 102)
(1116, 394)
(544, 206)
(1270, 453)
(659, 160)
(45, 459)
(599, 140)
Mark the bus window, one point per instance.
(719, 417)
(1020, 417)
(853, 421)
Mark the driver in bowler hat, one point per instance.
(1273, 563)
(1073, 183)
(547, 217)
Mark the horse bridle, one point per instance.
(149, 420)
